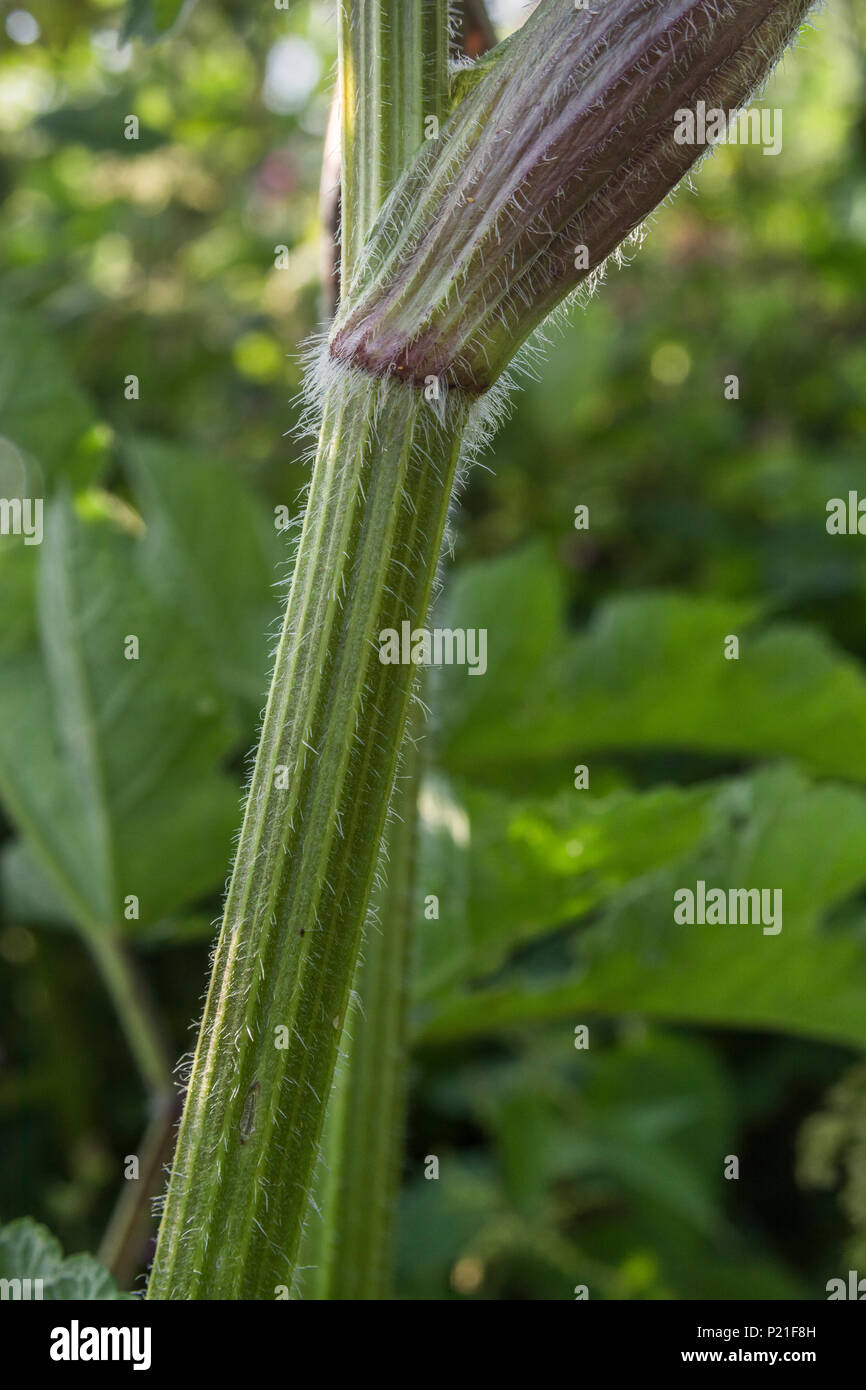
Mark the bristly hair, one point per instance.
(475, 247)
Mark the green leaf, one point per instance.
(656, 1119)
(211, 551)
(29, 894)
(99, 125)
(619, 1145)
(43, 412)
(30, 1251)
(445, 942)
(774, 831)
(519, 599)
(650, 1115)
(150, 19)
(109, 767)
(648, 673)
(506, 872)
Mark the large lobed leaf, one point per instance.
(110, 768)
(773, 830)
(30, 1251)
(648, 673)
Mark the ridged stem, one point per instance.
(393, 75)
(393, 57)
(308, 849)
(284, 965)
(351, 1235)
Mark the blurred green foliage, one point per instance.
(26, 1245)
(160, 259)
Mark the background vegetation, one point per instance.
(707, 517)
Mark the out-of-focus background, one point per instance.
(153, 298)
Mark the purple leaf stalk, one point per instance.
(562, 149)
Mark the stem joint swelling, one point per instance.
(407, 364)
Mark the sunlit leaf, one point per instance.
(774, 831)
(648, 673)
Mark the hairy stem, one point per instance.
(308, 849)
(372, 533)
(349, 1241)
(363, 1145)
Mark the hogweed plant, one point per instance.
(473, 204)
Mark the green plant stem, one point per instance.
(133, 1008)
(351, 1236)
(393, 75)
(439, 282)
(348, 1243)
(123, 1244)
(306, 859)
(122, 1248)
(284, 965)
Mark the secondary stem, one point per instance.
(393, 62)
(122, 1248)
(393, 76)
(350, 1238)
(133, 1008)
(124, 1241)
